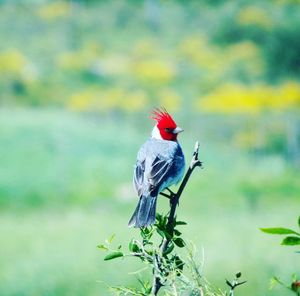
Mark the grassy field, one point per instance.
(65, 186)
(54, 252)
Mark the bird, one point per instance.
(160, 163)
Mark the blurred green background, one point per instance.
(78, 80)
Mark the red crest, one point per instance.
(163, 118)
(165, 124)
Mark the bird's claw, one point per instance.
(165, 195)
(170, 192)
(169, 195)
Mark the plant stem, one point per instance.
(195, 162)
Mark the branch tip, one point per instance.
(196, 146)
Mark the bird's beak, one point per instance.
(177, 130)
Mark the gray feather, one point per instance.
(144, 214)
(159, 164)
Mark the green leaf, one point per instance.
(294, 277)
(279, 230)
(143, 234)
(169, 249)
(146, 233)
(133, 247)
(111, 238)
(273, 282)
(181, 223)
(168, 235)
(160, 232)
(238, 275)
(299, 221)
(179, 242)
(164, 220)
(291, 241)
(177, 232)
(159, 218)
(113, 255)
(149, 252)
(163, 233)
(179, 264)
(102, 247)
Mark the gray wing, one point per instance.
(159, 172)
(138, 176)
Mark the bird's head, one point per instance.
(166, 128)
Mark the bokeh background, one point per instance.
(78, 80)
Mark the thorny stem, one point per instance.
(195, 162)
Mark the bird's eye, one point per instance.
(168, 130)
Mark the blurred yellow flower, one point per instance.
(229, 98)
(191, 46)
(237, 98)
(73, 60)
(134, 101)
(12, 62)
(245, 54)
(218, 61)
(154, 71)
(145, 48)
(97, 99)
(169, 99)
(242, 50)
(288, 94)
(81, 101)
(83, 58)
(110, 99)
(51, 11)
(253, 15)
(114, 65)
(197, 50)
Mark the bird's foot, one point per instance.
(169, 195)
(170, 192)
(165, 195)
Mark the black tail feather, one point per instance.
(144, 214)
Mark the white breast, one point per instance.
(156, 134)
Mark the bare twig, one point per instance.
(235, 283)
(233, 286)
(195, 162)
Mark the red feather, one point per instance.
(165, 124)
(163, 118)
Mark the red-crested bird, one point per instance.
(160, 164)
